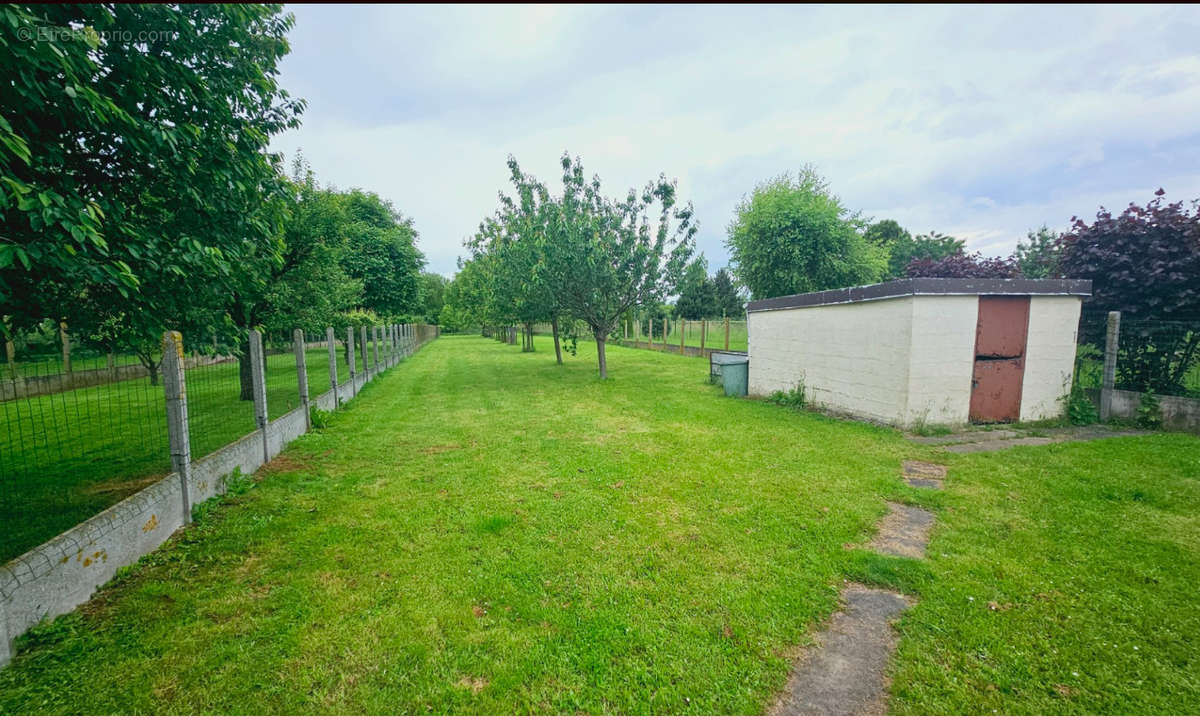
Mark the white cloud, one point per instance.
(980, 122)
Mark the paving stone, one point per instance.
(846, 673)
(994, 445)
(971, 436)
(923, 474)
(904, 532)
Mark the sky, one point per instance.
(978, 122)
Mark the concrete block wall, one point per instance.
(849, 357)
(903, 353)
(941, 360)
(57, 576)
(1049, 356)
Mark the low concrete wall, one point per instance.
(693, 351)
(56, 577)
(1178, 413)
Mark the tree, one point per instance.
(962, 265)
(697, 292)
(1038, 255)
(129, 155)
(381, 252)
(794, 236)
(903, 248)
(611, 255)
(729, 300)
(1144, 262)
(433, 296)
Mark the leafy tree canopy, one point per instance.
(793, 235)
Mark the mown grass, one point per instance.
(485, 531)
(66, 456)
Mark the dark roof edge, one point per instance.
(929, 287)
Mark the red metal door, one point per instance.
(1000, 336)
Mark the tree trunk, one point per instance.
(600, 338)
(150, 365)
(557, 346)
(245, 375)
(527, 338)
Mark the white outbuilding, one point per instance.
(923, 351)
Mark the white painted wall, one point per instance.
(941, 360)
(850, 357)
(907, 360)
(1049, 355)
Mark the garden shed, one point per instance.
(923, 351)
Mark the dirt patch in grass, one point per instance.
(283, 463)
(438, 449)
(127, 487)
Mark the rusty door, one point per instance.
(999, 359)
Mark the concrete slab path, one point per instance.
(847, 672)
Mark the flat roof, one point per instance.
(929, 287)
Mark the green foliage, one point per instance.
(1038, 254)
(433, 296)
(793, 398)
(136, 168)
(381, 252)
(903, 249)
(697, 292)
(729, 300)
(1080, 408)
(1149, 411)
(793, 235)
(320, 419)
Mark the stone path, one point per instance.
(990, 440)
(846, 672)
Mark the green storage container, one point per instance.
(735, 375)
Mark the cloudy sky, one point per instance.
(980, 122)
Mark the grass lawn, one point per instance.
(66, 456)
(486, 531)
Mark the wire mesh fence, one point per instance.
(1156, 356)
(75, 439)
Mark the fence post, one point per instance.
(1111, 345)
(362, 334)
(66, 346)
(259, 380)
(703, 335)
(302, 374)
(10, 353)
(375, 347)
(175, 391)
(682, 330)
(727, 333)
(332, 364)
(350, 361)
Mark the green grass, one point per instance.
(485, 531)
(714, 336)
(52, 364)
(66, 456)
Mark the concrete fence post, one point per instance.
(259, 382)
(703, 335)
(366, 365)
(10, 354)
(1112, 344)
(350, 361)
(175, 392)
(66, 346)
(302, 374)
(375, 346)
(332, 364)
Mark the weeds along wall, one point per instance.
(114, 468)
